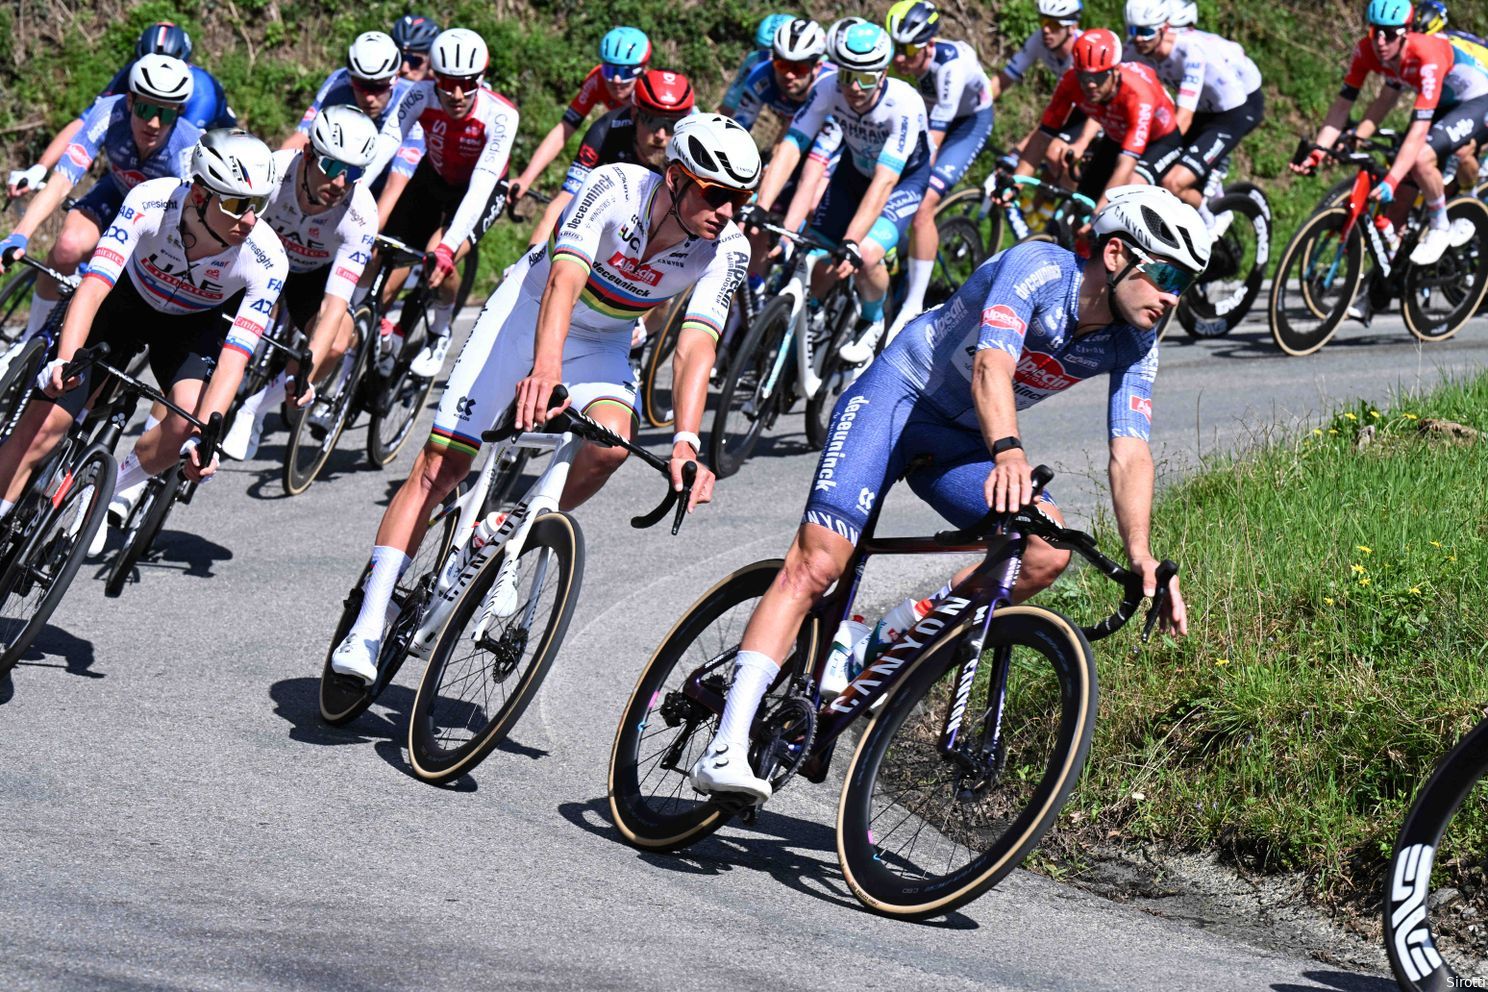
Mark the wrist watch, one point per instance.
(1005, 444)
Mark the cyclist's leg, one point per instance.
(601, 384)
(1210, 141)
(82, 226)
(1451, 130)
(962, 143)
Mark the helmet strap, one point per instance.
(1114, 278)
(676, 195)
(201, 215)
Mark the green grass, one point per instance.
(1336, 647)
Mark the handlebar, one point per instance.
(526, 194)
(1347, 150)
(398, 252)
(69, 284)
(997, 182)
(570, 421)
(1033, 521)
(97, 356)
(211, 433)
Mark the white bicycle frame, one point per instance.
(796, 288)
(463, 562)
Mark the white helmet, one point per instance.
(1064, 10)
(1157, 222)
(863, 47)
(716, 149)
(838, 28)
(233, 162)
(799, 40)
(161, 78)
(459, 52)
(1147, 13)
(1184, 14)
(345, 134)
(373, 56)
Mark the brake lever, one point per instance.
(1166, 571)
(672, 498)
(684, 498)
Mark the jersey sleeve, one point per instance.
(734, 93)
(1360, 66)
(1007, 312)
(750, 102)
(263, 281)
(1195, 67)
(1060, 104)
(501, 134)
(585, 219)
(1428, 64)
(808, 121)
(410, 153)
(714, 291)
(83, 148)
(1138, 106)
(315, 105)
(138, 216)
(950, 81)
(357, 230)
(397, 127)
(901, 142)
(587, 158)
(584, 100)
(1022, 59)
(1130, 410)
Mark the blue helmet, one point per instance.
(1389, 13)
(1431, 17)
(764, 37)
(415, 33)
(164, 38)
(625, 46)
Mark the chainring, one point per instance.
(783, 739)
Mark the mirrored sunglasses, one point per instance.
(795, 67)
(373, 86)
(1095, 78)
(1143, 32)
(620, 73)
(465, 84)
(1055, 23)
(145, 110)
(1386, 33)
(236, 206)
(1166, 276)
(332, 168)
(910, 51)
(658, 122)
(717, 195)
(862, 80)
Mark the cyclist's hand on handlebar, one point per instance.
(444, 265)
(702, 486)
(1174, 616)
(49, 379)
(1383, 192)
(192, 465)
(1010, 484)
(532, 398)
(852, 259)
(12, 248)
(23, 181)
(1310, 164)
(303, 395)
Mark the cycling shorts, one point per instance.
(498, 355)
(962, 143)
(1073, 126)
(102, 202)
(884, 429)
(1213, 136)
(1456, 126)
(302, 295)
(182, 346)
(428, 204)
(1156, 160)
(846, 190)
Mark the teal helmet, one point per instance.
(625, 46)
(1389, 13)
(764, 37)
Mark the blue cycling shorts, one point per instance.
(845, 191)
(102, 202)
(962, 143)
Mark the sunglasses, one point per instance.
(465, 84)
(911, 51)
(335, 167)
(1054, 23)
(414, 61)
(1165, 276)
(1385, 33)
(372, 86)
(658, 122)
(620, 73)
(145, 110)
(1095, 78)
(862, 80)
(717, 196)
(236, 206)
(793, 67)
(1143, 32)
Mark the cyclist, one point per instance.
(370, 82)
(1219, 94)
(326, 221)
(1053, 45)
(1451, 106)
(1127, 101)
(623, 55)
(783, 81)
(414, 34)
(469, 130)
(949, 74)
(177, 257)
(1031, 322)
(144, 136)
(764, 41)
(876, 188)
(638, 133)
(632, 240)
(1431, 18)
(206, 108)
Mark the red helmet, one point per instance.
(1097, 51)
(662, 92)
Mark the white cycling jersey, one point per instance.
(339, 238)
(145, 240)
(893, 132)
(470, 151)
(956, 82)
(1033, 52)
(1212, 74)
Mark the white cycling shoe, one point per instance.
(356, 657)
(427, 363)
(859, 351)
(724, 767)
(1433, 244)
(1461, 232)
(241, 442)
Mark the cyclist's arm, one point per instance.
(1191, 89)
(1009, 485)
(44, 204)
(78, 322)
(357, 231)
(783, 162)
(566, 279)
(1033, 152)
(395, 131)
(296, 141)
(1001, 83)
(1335, 122)
(264, 282)
(549, 219)
(1378, 110)
(809, 191)
(1132, 474)
(875, 197)
(501, 133)
(547, 150)
(1358, 71)
(702, 324)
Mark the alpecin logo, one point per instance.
(635, 269)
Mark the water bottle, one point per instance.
(486, 529)
(894, 625)
(845, 659)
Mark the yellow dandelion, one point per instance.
(1415, 590)
(1221, 661)
(1410, 416)
(1318, 431)
(1351, 416)
(1365, 548)
(1332, 430)
(1451, 557)
(1364, 581)
(1374, 414)
(1436, 544)
(1358, 569)
(1328, 600)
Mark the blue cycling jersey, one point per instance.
(1025, 301)
(106, 128)
(207, 107)
(760, 89)
(735, 89)
(336, 91)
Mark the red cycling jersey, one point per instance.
(592, 91)
(1140, 110)
(1429, 64)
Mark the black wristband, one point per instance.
(1005, 444)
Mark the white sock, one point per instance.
(388, 566)
(131, 473)
(270, 396)
(40, 310)
(150, 421)
(1436, 214)
(753, 673)
(5, 507)
(442, 316)
(917, 281)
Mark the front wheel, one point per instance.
(1437, 887)
(21, 368)
(749, 396)
(1316, 281)
(494, 653)
(656, 371)
(1438, 299)
(318, 428)
(920, 831)
(1220, 300)
(958, 256)
(144, 526)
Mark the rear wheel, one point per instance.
(318, 428)
(1438, 299)
(397, 399)
(16, 382)
(836, 377)
(957, 258)
(15, 304)
(1237, 264)
(744, 409)
(1316, 281)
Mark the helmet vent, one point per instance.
(700, 154)
(1157, 227)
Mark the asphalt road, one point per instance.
(173, 815)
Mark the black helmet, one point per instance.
(164, 38)
(415, 33)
